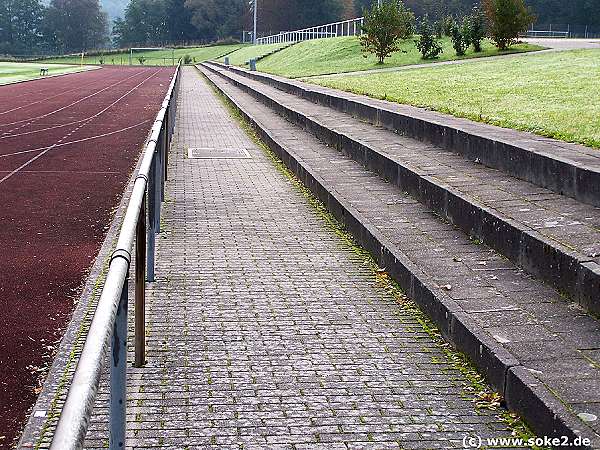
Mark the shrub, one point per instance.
(460, 37)
(476, 28)
(187, 59)
(427, 44)
(384, 27)
(101, 60)
(439, 29)
(506, 19)
(141, 59)
(447, 23)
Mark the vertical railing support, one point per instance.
(163, 155)
(150, 249)
(167, 125)
(157, 175)
(140, 288)
(118, 374)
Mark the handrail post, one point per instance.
(163, 155)
(140, 288)
(151, 239)
(167, 125)
(157, 175)
(118, 374)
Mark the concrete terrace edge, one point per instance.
(571, 272)
(521, 154)
(524, 395)
(70, 342)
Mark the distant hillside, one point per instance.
(114, 8)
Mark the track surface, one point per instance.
(67, 148)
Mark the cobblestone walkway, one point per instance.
(266, 331)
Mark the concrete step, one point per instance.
(553, 237)
(540, 351)
(562, 167)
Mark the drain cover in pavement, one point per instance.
(218, 153)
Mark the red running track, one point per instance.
(68, 146)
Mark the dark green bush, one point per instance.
(187, 59)
(446, 24)
(460, 37)
(384, 27)
(506, 19)
(476, 23)
(428, 44)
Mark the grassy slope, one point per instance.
(12, 72)
(154, 57)
(244, 54)
(551, 94)
(343, 54)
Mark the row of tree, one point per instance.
(150, 22)
(29, 27)
(68, 26)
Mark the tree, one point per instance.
(476, 28)
(506, 19)
(217, 19)
(76, 25)
(310, 13)
(145, 23)
(427, 44)
(385, 26)
(20, 26)
(286, 15)
(459, 35)
(179, 22)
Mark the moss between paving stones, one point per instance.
(53, 414)
(475, 386)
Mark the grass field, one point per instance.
(153, 57)
(12, 72)
(343, 54)
(244, 54)
(551, 94)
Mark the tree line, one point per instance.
(69, 26)
(30, 27)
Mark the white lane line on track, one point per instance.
(89, 119)
(44, 99)
(60, 143)
(67, 171)
(22, 166)
(90, 138)
(17, 170)
(76, 121)
(32, 119)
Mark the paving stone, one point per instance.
(476, 293)
(264, 329)
(553, 244)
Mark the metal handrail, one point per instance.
(110, 318)
(350, 27)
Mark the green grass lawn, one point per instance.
(153, 57)
(343, 54)
(551, 94)
(11, 72)
(244, 54)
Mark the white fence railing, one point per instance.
(352, 27)
(547, 31)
